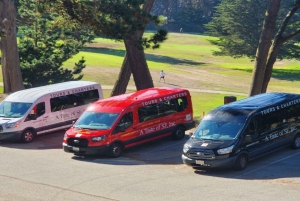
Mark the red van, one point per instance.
(112, 124)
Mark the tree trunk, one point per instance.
(269, 67)
(138, 64)
(263, 47)
(279, 40)
(12, 78)
(123, 78)
(125, 72)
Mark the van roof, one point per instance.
(260, 102)
(32, 94)
(118, 103)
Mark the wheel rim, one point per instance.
(297, 142)
(116, 150)
(243, 162)
(28, 136)
(179, 133)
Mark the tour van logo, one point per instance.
(166, 98)
(68, 115)
(278, 107)
(157, 128)
(73, 91)
(279, 134)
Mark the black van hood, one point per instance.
(208, 144)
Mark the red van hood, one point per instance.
(72, 132)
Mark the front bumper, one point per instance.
(11, 135)
(214, 163)
(86, 150)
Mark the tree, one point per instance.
(46, 41)
(263, 47)
(12, 78)
(125, 72)
(121, 21)
(238, 25)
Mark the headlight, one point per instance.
(65, 136)
(12, 125)
(226, 150)
(186, 148)
(98, 139)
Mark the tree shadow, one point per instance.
(280, 74)
(149, 57)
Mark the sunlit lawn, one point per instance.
(183, 50)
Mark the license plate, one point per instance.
(75, 148)
(199, 162)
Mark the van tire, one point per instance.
(115, 150)
(241, 162)
(178, 133)
(28, 136)
(296, 142)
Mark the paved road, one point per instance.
(154, 171)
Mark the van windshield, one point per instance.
(220, 126)
(13, 109)
(96, 120)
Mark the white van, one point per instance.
(26, 113)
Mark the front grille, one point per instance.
(196, 153)
(77, 142)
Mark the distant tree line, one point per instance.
(190, 15)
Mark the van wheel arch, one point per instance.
(28, 135)
(296, 142)
(115, 149)
(241, 162)
(179, 132)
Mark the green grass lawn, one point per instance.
(184, 54)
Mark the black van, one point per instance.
(235, 133)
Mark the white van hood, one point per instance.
(4, 120)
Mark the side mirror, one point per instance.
(32, 116)
(191, 134)
(119, 128)
(248, 139)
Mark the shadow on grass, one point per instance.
(150, 57)
(281, 74)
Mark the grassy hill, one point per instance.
(188, 62)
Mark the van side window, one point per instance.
(182, 104)
(73, 100)
(251, 130)
(125, 122)
(40, 109)
(161, 109)
(269, 121)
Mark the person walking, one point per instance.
(162, 75)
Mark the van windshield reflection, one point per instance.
(96, 120)
(13, 109)
(217, 130)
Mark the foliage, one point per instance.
(238, 24)
(117, 20)
(191, 19)
(46, 41)
(191, 15)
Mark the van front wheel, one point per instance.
(241, 162)
(178, 133)
(296, 142)
(28, 136)
(115, 150)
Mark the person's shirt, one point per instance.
(162, 73)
